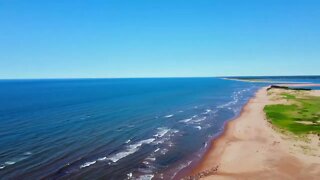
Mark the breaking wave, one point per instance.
(15, 160)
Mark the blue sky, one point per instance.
(158, 38)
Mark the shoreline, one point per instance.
(216, 143)
(283, 83)
(267, 155)
(193, 169)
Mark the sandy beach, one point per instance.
(251, 148)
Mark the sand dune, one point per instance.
(250, 148)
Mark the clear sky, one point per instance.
(158, 38)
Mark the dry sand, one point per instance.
(250, 148)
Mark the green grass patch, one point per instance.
(288, 96)
(302, 116)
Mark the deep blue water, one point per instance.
(111, 128)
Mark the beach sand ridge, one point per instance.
(251, 148)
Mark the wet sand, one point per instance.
(251, 148)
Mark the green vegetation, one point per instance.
(301, 116)
(288, 96)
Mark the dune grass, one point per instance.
(300, 116)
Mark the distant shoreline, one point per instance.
(255, 80)
(249, 148)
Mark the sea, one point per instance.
(143, 128)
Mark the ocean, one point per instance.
(112, 128)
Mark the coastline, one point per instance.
(250, 148)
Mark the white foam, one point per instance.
(102, 159)
(120, 155)
(169, 116)
(87, 164)
(170, 144)
(146, 141)
(15, 160)
(181, 167)
(161, 132)
(199, 120)
(130, 150)
(207, 126)
(225, 105)
(27, 153)
(129, 175)
(150, 158)
(146, 177)
(9, 162)
(146, 162)
(198, 127)
(164, 151)
(205, 145)
(22, 158)
(207, 111)
(160, 141)
(236, 95)
(163, 135)
(175, 131)
(186, 120)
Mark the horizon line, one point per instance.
(156, 77)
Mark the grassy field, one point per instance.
(300, 116)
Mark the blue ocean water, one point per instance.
(112, 128)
